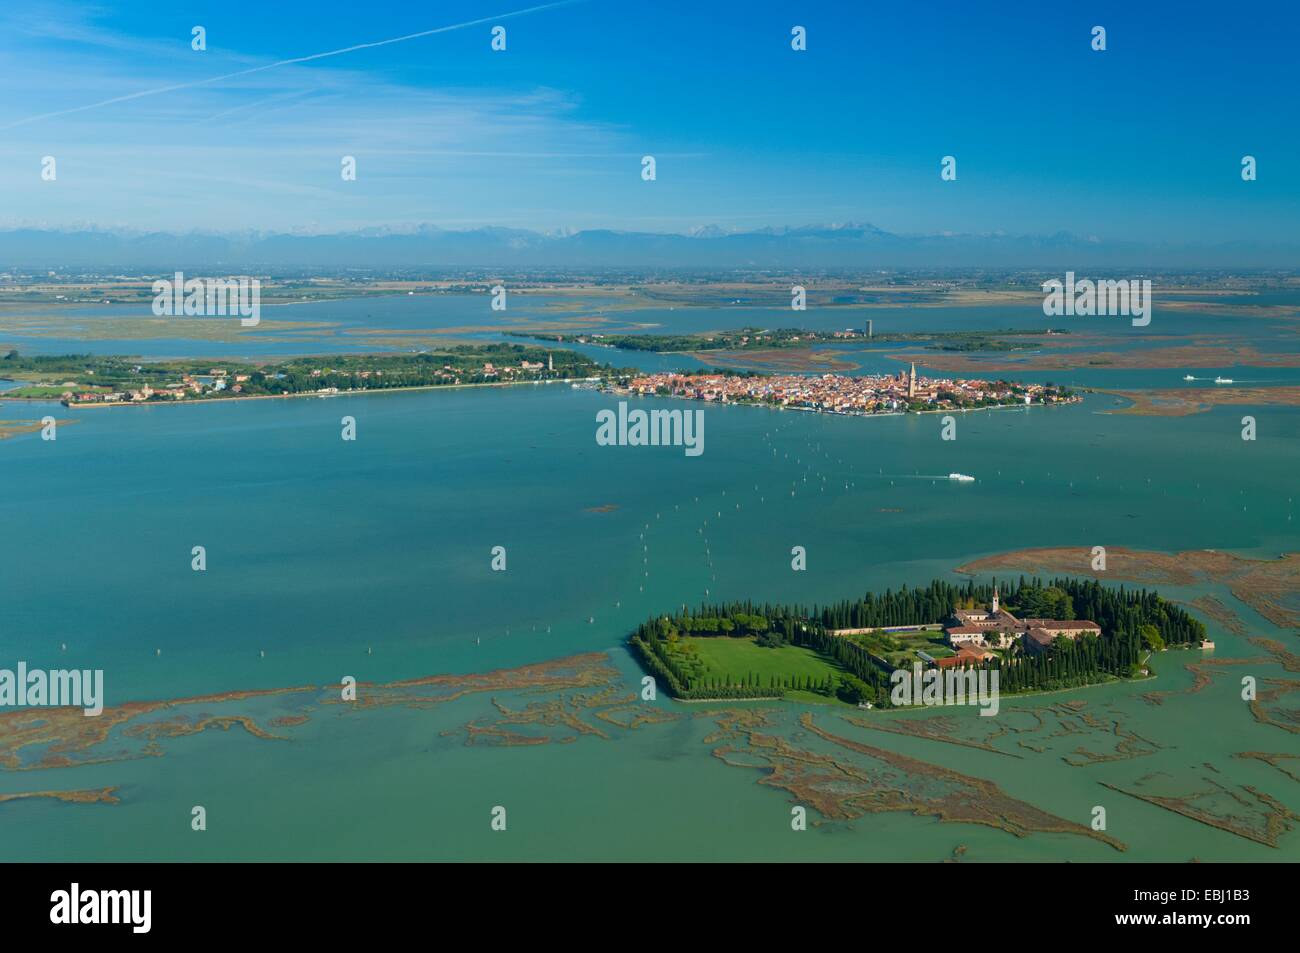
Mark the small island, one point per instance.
(90, 380)
(764, 339)
(852, 395)
(1037, 636)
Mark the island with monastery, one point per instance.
(1037, 636)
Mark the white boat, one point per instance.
(1189, 377)
(961, 477)
(1223, 380)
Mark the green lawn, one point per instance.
(722, 656)
(39, 390)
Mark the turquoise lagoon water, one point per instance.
(371, 558)
(64, 331)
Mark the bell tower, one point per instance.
(995, 600)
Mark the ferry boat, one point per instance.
(961, 478)
(1223, 380)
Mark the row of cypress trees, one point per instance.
(1121, 613)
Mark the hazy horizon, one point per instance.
(1049, 136)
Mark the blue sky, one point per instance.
(1142, 142)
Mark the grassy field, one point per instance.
(53, 392)
(720, 657)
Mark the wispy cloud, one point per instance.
(225, 77)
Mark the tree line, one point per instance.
(1131, 620)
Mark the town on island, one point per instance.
(90, 380)
(843, 394)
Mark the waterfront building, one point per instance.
(1000, 629)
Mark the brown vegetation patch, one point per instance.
(1183, 403)
(64, 737)
(92, 796)
(1062, 358)
(792, 360)
(1241, 810)
(1269, 586)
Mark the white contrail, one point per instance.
(290, 62)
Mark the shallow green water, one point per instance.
(321, 552)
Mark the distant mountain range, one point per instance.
(427, 248)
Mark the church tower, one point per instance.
(911, 381)
(995, 601)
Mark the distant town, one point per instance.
(840, 394)
(90, 380)
(763, 339)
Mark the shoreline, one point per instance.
(342, 393)
(1113, 680)
(625, 395)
